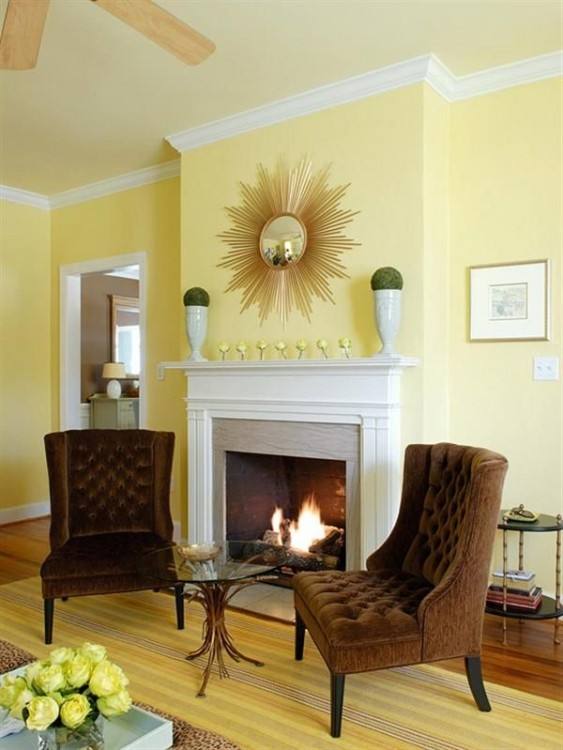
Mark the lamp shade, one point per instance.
(114, 370)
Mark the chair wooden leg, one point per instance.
(179, 595)
(475, 679)
(299, 636)
(48, 613)
(336, 703)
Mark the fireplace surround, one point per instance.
(343, 410)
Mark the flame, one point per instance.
(306, 530)
(277, 518)
(309, 527)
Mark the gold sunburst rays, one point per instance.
(305, 196)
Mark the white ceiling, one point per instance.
(103, 97)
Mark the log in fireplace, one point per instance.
(286, 508)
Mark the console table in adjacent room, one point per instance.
(550, 608)
(114, 413)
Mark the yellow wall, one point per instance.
(376, 145)
(435, 365)
(440, 187)
(25, 353)
(144, 219)
(506, 181)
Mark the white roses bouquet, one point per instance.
(70, 690)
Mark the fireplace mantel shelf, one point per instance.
(358, 365)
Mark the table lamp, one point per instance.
(113, 370)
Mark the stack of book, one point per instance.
(522, 592)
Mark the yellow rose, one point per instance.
(107, 678)
(115, 705)
(33, 670)
(77, 671)
(93, 651)
(22, 699)
(43, 711)
(60, 655)
(50, 679)
(75, 710)
(10, 689)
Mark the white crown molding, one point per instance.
(427, 68)
(24, 197)
(440, 78)
(95, 189)
(314, 100)
(506, 76)
(116, 184)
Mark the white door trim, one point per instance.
(69, 332)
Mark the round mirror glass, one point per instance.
(283, 241)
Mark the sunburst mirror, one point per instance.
(286, 240)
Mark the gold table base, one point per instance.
(214, 597)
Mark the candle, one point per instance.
(224, 348)
(281, 346)
(345, 344)
(322, 344)
(301, 345)
(261, 346)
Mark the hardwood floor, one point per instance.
(530, 662)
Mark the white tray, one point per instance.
(136, 730)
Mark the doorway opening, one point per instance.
(103, 343)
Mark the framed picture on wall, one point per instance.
(509, 302)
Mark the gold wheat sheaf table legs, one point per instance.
(214, 597)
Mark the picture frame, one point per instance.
(509, 301)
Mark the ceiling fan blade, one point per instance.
(21, 33)
(161, 27)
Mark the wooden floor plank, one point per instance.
(530, 662)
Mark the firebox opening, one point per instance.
(287, 508)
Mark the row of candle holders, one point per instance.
(242, 349)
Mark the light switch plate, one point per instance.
(546, 368)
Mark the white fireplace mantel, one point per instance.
(360, 391)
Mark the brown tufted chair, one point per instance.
(422, 597)
(110, 503)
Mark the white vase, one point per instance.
(196, 330)
(387, 307)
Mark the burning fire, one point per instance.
(306, 530)
(277, 519)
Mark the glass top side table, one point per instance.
(550, 608)
(214, 582)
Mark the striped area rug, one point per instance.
(285, 704)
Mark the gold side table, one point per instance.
(550, 608)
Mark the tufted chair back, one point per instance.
(448, 483)
(444, 534)
(106, 481)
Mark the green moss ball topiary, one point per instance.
(196, 296)
(386, 278)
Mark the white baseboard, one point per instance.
(24, 512)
